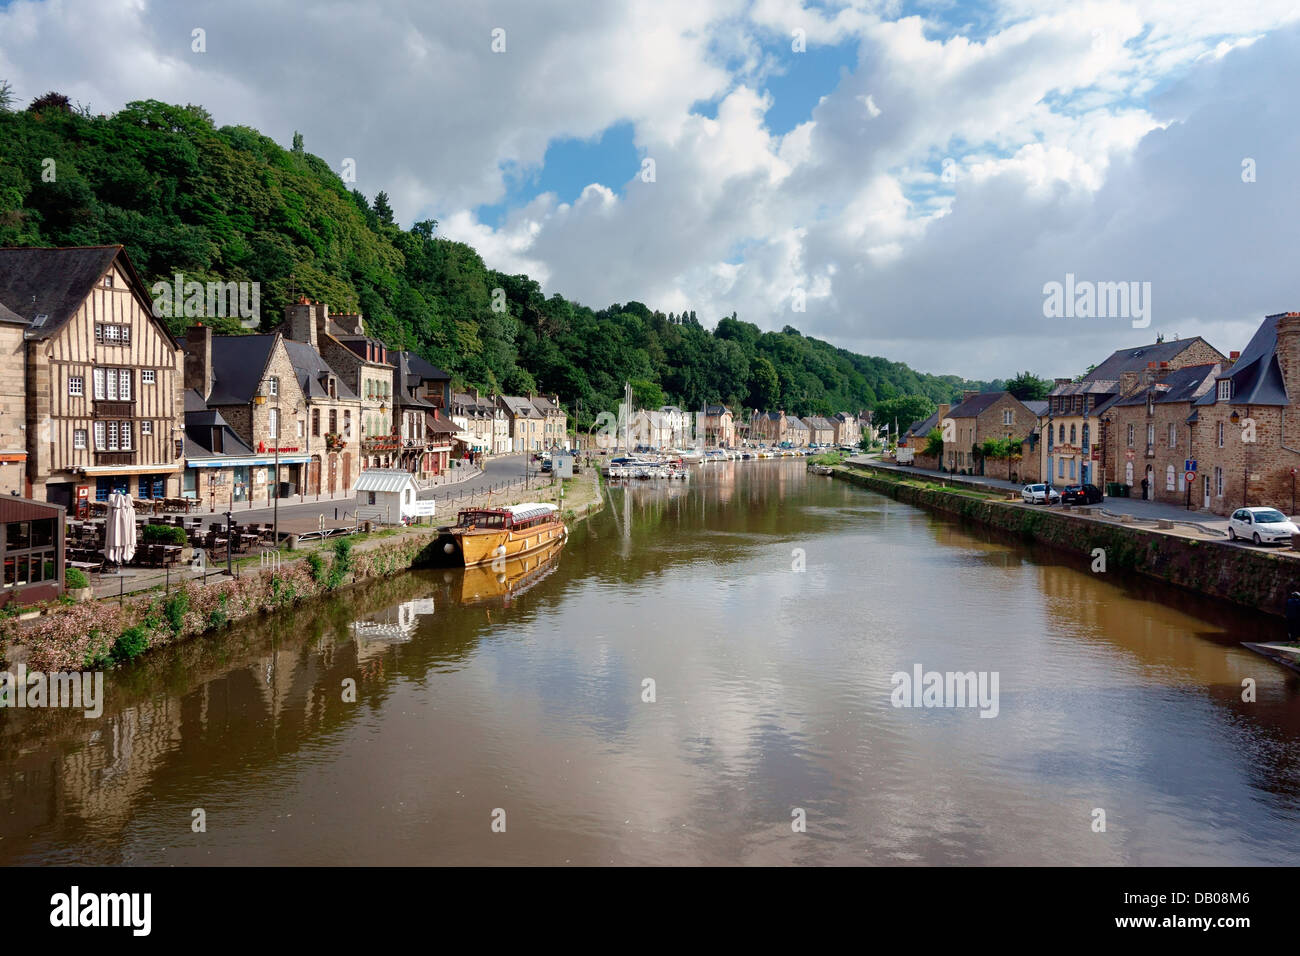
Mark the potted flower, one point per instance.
(76, 585)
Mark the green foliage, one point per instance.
(74, 578)
(6, 96)
(219, 615)
(174, 610)
(228, 203)
(130, 644)
(907, 410)
(934, 444)
(163, 534)
(1028, 387)
(316, 567)
(1000, 448)
(342, 564)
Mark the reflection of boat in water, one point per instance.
(510, 577)
(394, 625)
(481, 535)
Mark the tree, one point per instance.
(1028, 387)
(50, 101)
(382, 209)
(906, 410)
(297, 143)
(764, 385)
(647, 394)
(934, 444)
(6, 96)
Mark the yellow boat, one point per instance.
(504, 582)
(483, 535)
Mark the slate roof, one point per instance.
(975, 405)
(9, 316)
(309, 366)
(1180, 385)
(1037, 406)
(1256, 376)
(1092, 386)
(55, 282)
(1136, 358)
(716, 410)
(238, 362)
(795, 423)
(819, 423)
(925, 426)
(520, 407)
(547, 407)
(198, 432)
(415, 365)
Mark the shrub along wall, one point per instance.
(99, 634)
(1248, 576)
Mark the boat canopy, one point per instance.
(529, 510)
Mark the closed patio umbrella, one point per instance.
(119, 530)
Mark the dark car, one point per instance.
(1081, 495)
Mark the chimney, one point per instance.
(300, 321)
(1232, 359)
(1162, 371)
(967, 396)
(476, 395)
(944, 409)
(198, 359)
(321, 319)
(1128, 382)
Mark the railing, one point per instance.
(115, 458)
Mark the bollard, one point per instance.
(292, 542)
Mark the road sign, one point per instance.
(1189, 464)
(1191, 477)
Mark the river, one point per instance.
(507, 719)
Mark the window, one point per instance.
(112, 384)
(1218, 482)
(1007, 417)
(111, 334)
(1072, 434)
(112, 436)
(302, 428)
(1071, 467)
(1220, 434)
(1169, 478)
(79, 438)
(274, 385)
(76, 385)
(334, 421)
(1130, 436)
(1225, 389)
(1085, 437)
(147, 377)
(108, 281)
(315, 423)
(1151, 436)
(1173, 435)
(1061, 435)
(273, 422)
(1060, 468)
(146, 428)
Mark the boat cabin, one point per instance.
(515, 518)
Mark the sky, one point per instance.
(899, 178)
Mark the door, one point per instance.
(347, 470)
(334, 473)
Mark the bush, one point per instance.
(164, 534)
(75, 578)
(174, 609)
(133, 642)
(316, 567)
(342, 563)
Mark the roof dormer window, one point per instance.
(1225, 390)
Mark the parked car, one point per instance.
(1081, 495)
(1261, 526)
(1038, 494)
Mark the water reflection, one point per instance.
(524, 688)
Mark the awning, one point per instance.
(93, 470)
(242, 462)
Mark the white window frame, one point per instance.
(1173, 435)
(100, 440)
(148, 377)
(1225, 390)
(79, 439)
(146, 427)
(77, 385)
(1220, 434)
(274, 385)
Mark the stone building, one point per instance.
(525, 421)
(820, 430)
(718, 426)
(423, 393)
(992, 416)
(13, 404)
(768, 428)
(1151, 430)
(848, 429)
(364, 364)
(1073, 452)
(555, 423)
(252, 382)
(102, 376)
(1247, 428)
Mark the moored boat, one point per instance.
(485, 534)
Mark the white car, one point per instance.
(1038, 494)
(1261, 525)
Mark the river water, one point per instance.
(770, 608)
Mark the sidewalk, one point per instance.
(1212, 524)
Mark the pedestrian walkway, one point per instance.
(1212, 524)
